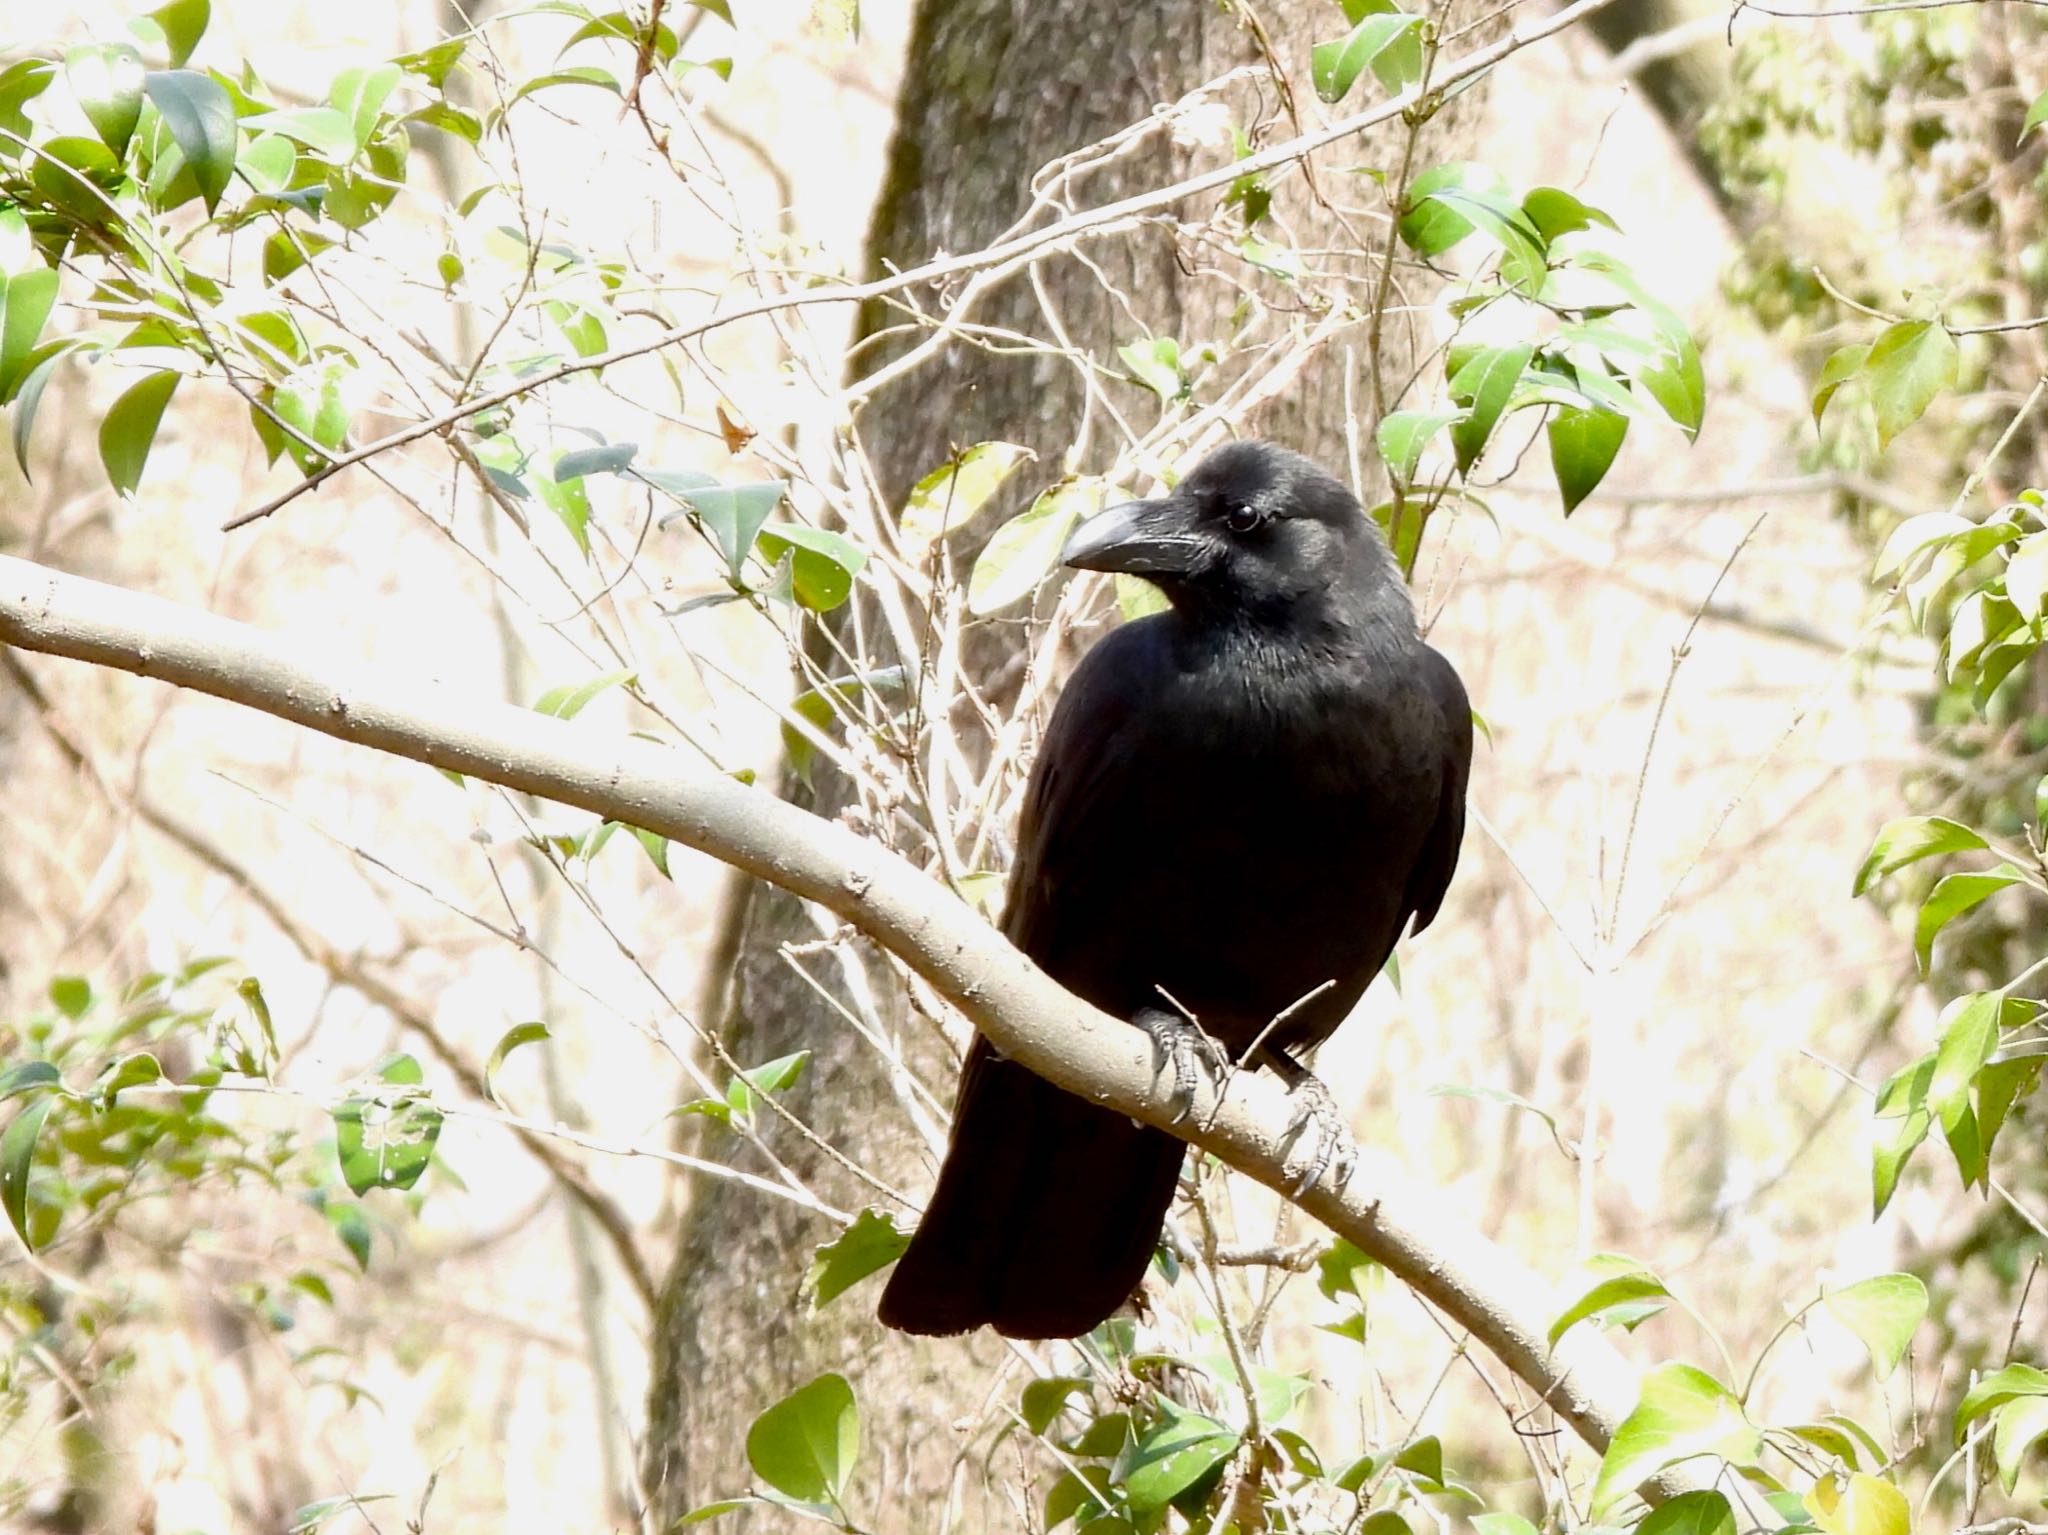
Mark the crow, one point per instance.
(1238, 806)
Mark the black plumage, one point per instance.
(1239, 805)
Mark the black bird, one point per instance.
(1238, 806)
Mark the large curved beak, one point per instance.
(1139, 538)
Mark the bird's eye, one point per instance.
(1242, 519)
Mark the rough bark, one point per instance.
(992, 90)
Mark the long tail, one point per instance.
(1047, 1210)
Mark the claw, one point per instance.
(1332, 1150)
(1183, 1046)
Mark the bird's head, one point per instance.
(1252, 530)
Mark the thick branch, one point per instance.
(1027, 1015)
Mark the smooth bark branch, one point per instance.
(1031, 1018)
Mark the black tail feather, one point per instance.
(1046, 1213)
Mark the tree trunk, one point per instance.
(993, 89)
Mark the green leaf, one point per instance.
(2015, 1429)
(359, 96)
(805, 1445)
(1045, 1399)
(565, 496)
(28, 399)
(1995, 1390)
(655, 846)
(353, 1228)
(1498, 1523)
(1676, 382)
(1403, 533)
(463, 125)
(1842, 1437)
(1431, 227)
(709, 1511)
(314, 403)
(1281, 260)
(72, 995)
(872, 1242)
(1026, 549)
(1423, 1458)
(76, 174)
(1084, 1495)
(136, 1069)
(107, 82)
(581, 326)
(434, 64)
(17, 246)
(129, 429)
(1389, 44)
(1969, 1033)
(1953, 895)
(1690, 1513)
(1338, 1270)
(183, 23)
(529, 1033)
(575, 74)
(1910, 839)
(1682, 1413)
(268, 164)
(1915, 534)
(2036, 114)
(567, 701)
(1507, 1100)
(955, 491)
(1172, 1456)
(1909, 364)
(17, 1157)
(742, 1093)
(323, 130)
(308, 1517)
(1403, 434)
(610, 458)
(201, 116)
(1279, 1392)
(732, 514)
(385, 1138)
(1622, 1296)
(1867, 1506)
(822, 564)
(1156, 364)
(28, 1077)
(1582, 448)
(1882, 1312)
(2026, 576)
(1999, 1085)
(20, 83)
(1485, 384)
(1522, 249)
(1903, 1099)
(1556, 212)
(826, 706)
(626, 29)
(1842, 366)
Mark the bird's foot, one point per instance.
(1332, 1150)
(1183, 1046)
